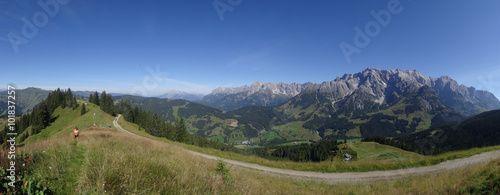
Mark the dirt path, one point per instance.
(359, 176)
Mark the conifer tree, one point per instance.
(181, 131)
(95, 98)
(83, 109)
(75, 104)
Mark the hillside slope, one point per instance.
(200, 119)
(65, 120)
(478, 131)
(26, 99)
(109, 161)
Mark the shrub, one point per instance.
(222, 170)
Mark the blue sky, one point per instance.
(149, 47)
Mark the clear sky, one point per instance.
(149, 47)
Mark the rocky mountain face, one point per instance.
(372, 102)
(385, 103)
(385, 87)
(176, 94)
(259, 93)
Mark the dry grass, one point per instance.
(109, 161)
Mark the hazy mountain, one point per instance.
(87, 93)
(176, 94)
(259, 93)
(26, 99)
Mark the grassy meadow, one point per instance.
(109, 161)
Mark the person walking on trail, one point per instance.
(76, 132)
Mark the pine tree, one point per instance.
(102, 103)
(75, 104)
(95, 98)
(181, 131)
(83, 110)
(69, 98)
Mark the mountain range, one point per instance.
(259, 93)
(373, 102)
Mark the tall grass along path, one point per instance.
(356, 176)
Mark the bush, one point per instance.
(222, 170)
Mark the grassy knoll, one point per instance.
(65, 120)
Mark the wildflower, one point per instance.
(25, 183)
(50, 167)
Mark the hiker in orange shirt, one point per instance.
(76, 132)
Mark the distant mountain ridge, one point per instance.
(259, 93)
(176, 94)
(26, 99)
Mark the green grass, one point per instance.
(271, 135)
(111, 162)
(246, 147)
(68, 119)
(236, 136)
(371, 151)
(294, 131)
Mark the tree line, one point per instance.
(105, 102)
